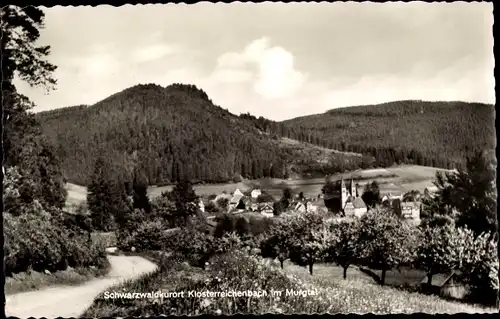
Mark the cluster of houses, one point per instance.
(239, 202)
(346, 201)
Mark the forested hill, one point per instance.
(173, 133)
(439, 134)
(168, 134)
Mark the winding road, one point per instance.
(72, 301)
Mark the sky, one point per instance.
(274, 60)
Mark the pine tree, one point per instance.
(107, 199)
(186, 202)
(140, 194)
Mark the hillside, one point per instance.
(439, 134)
(170, 133)
(173, 133)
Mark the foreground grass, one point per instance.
(233, 271)
(33, 280)
(359, 294)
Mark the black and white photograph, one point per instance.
(249, 158)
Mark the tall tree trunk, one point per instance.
(311, 268)
(345, 271)
(281, 263)
(382, 279)
(429, 279)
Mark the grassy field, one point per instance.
(399, 178)
(285, 141)
(360, 294)
(393, 278)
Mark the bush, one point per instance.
(108, 239)
(148, 236)
(211, 207)
(36, 241)
(259, 226)
(225, 224)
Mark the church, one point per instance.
(350, 198)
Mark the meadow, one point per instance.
(356, 294)
(360, 294)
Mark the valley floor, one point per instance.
(401, 178)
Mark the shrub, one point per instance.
(108, 239)
(241, 226)
(211, 207)
(259, 225)
(148, 236)
(225, 224)
(36, 241)
(222, 203)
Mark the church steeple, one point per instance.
(343, 193)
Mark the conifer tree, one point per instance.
(106, 197)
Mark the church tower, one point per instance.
(343, 193)
(353, 188)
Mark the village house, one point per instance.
(267, 207)
(408, 210)
(255, 193)
(392, 196)
(201, 205)
(447, 285)
(316, 205)
(254, 207)
(267, 210)
(300, 207)
(236, 202)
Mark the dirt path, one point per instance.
(72, 301)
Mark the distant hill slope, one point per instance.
(172, 133)
(439, 134)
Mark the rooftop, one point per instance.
(359, 203)
(440, 279)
